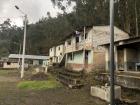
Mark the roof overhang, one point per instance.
(37, 57)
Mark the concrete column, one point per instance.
(107, 58)
(125, 59)
(116, 57)
(66, 59)
(92, 56)
(83, 59)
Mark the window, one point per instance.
(8, 63)
(58, 48)
(71, 56)
(77, 39)
(86, 35)
(86, 55)
(69, 42)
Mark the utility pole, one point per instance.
(19, 57)
(24, 42)
(24, 45)
(112, 93)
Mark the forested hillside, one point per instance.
(49, 31)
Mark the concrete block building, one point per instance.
(31, 60)
(80, 52)
(84, 51)
(56, 54)
(59, 53)
(52, 55)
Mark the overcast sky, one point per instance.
(35, 9)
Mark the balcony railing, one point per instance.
(87, 45)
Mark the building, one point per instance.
(78, 50)
(32, 60)
(56, 54)
(52, 55)
(9, 64)
(127, 55)
(84, 51)
(127, 62)
(59, 53)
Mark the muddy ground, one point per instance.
(11, 95)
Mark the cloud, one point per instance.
(35, 9)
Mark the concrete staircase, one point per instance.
(62, 61)
(70, 78)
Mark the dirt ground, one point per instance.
(11, 95)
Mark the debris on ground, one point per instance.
(39, 76)
(126, 102)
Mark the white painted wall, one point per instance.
(52, 52)
(45, 63)
(10, 65)
(90, 57)
(77, 58)
(60, 50)
(35, 62)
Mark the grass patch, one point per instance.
(51, 83)
(39, 85)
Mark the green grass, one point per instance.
(39, 85)
(51, 83)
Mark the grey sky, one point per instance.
(34, 8)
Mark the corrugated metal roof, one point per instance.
(29, 56)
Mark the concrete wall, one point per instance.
(59, 52)
(35, 62)
(45, 63)
(75, 61)
(10, 65)
(128, 81)
(96, 60)
(81, 44)
(52, 52)
(104, 92)
(99, 59)
(101, 35)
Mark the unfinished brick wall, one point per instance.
(99, 60)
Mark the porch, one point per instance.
(127, 62)
(128, 57)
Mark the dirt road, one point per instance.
(11, 95)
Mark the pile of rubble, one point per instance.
(39, 76)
